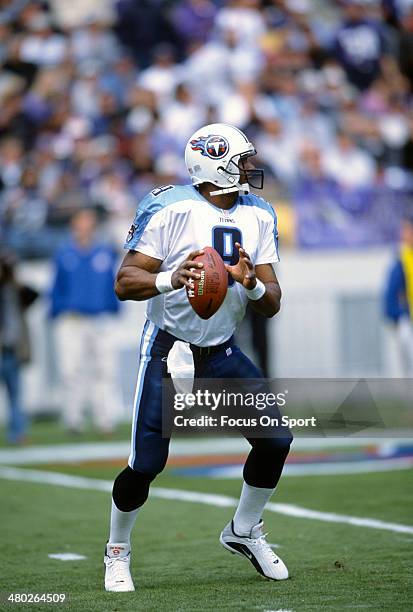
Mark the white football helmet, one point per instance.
(215, 153)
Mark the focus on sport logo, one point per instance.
(212, 146)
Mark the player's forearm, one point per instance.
(133, 283)
(270, 303)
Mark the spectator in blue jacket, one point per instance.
(359, 45)
(398, 295)
(83, 303)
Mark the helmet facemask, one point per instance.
(235, 172)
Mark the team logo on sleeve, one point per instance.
(211, 146)
(131, 233)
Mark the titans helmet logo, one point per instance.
(211, 146)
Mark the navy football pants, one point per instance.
(149, 450)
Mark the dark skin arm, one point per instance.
(136, 278)
(246, 273)
(137, 273)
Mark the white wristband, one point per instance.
(163, 282)
(256, 293)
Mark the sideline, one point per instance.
(95, 451)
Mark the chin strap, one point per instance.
(241, 188)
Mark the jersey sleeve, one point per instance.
(148, 232)
(268, 242)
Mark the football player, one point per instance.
(170, 226)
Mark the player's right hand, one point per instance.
(186, 271)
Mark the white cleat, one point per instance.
(117, 568)
(255, 548)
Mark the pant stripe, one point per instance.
(150, 331)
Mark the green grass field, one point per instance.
(178, 563)
(51, 431)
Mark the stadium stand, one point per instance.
(97, 101)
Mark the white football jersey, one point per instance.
(172, 221)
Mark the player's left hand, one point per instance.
(243, 272)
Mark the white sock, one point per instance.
(250, 508)
(121, 525)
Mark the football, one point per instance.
(207, 293)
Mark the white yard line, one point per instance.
(67, 556)
(65, 453)
(210, 499)
(333, 468)
(96, 451)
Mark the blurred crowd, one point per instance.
(97, 99)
